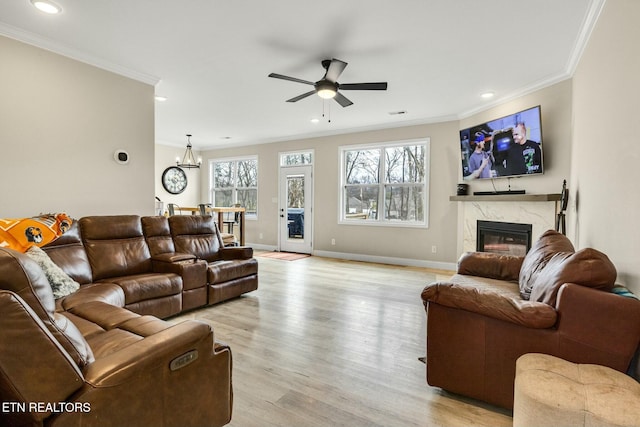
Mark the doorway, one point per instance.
(295, 209)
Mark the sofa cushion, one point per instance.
(115, 246)
(587, 267)
(197, 235)
(142, 287)
(67, 251)
(550, 243)
(156, 231)
(61, 284)
(494, 298)
(223, 271)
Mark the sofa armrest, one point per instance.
(600, 325)
(35, 367)
(491, 265)
(192, 270)
(490, 303)
(157, 381)
(236, 252)
(173, 257)
(148, 354)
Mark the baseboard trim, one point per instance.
(437, 265)
(388, 260)
(260, 247)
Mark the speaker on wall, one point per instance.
(121, 156)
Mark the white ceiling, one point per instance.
(211, 58)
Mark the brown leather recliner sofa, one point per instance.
(100, 356)
(498, 307)
(139, 256)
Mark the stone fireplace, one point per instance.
(538, 210)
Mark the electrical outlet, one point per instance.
(261, 236)
(434, 249)
(333, 241)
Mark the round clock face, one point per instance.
(174, 180)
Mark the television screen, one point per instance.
(505, 147)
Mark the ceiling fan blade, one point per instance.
(292, 79)
(364, 86)
(335, 69)
(342, 100)
(299, 97)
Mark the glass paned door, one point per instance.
(295, 209)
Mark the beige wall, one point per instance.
(60, 124)
(411, 245)
(165, 156)
(555, 105)
(606, 155)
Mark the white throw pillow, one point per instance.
(61, 283)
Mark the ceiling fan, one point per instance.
(327, 87)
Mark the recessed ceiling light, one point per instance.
(397, 113)
(487, 95)
(161, 98)
(315, 120)
(47, 6)
(225, 137)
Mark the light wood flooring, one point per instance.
(327, 342)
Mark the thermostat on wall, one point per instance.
(121, 156)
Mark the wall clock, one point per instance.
(174, 180)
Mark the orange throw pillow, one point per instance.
(22, 233)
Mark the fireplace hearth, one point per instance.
(503, 237)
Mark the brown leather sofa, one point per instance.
(100, 356)
(231, 271)
(98, 364)
(496, 308)
(140, 256)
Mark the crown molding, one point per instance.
(60, 49)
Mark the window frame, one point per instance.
(235, 188)
(381, 221)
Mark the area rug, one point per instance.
(285, 256)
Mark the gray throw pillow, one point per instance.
(61, 283)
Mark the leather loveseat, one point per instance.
(101, 356)
(555, 301)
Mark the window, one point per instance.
(235, 181)
(296, 158)
(385, 184)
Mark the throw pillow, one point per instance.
(61, 283)
(550, 243)
(23, 233)
(587, 267)
(623, 291)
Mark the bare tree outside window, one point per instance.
(391, 178)
(236, 182)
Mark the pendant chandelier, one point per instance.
(188, 161)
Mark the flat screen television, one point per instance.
(505, 147)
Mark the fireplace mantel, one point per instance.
(508, 198)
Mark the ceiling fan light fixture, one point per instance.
(326, 89)
(326, 93)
